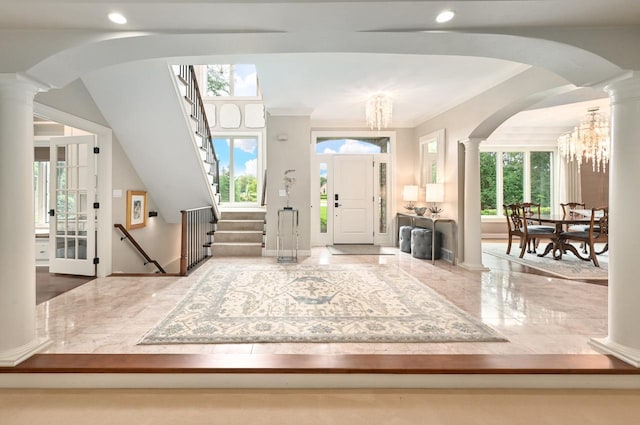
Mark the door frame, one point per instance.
(104, 137)
(322, 239)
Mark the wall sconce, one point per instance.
(153, 213)
(410, 196)
(434, 192)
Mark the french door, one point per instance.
(72, 216)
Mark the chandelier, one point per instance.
(378, 111)
(588, 142)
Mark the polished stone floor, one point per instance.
(538, 314)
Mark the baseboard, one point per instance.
(446, 255)
(494, 236)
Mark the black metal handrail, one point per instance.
(198, 227)
(138, 248)
(187, 74)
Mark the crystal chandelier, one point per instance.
(589, 141)
(378, 111)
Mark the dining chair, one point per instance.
(568, 211)
(531, 211)
(528, 234)
(597, 232)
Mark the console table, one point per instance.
(431, 222)
(287, 242)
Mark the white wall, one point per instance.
(159, 239)
(292, 153)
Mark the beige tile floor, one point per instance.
(539, 315)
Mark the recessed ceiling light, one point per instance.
(445, 16)
(117, 18)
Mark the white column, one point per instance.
(17, 251)
(623, 340)
(472, 214)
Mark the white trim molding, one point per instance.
(17, 355)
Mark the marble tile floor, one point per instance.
(536, 313)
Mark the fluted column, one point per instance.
(17, 251)
(472, 212)
(623, 340)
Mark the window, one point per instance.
(41, 193)
(328, 145)
(238, 80)
(238, 162)
(508, 177)
(323, 197)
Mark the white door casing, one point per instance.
(73, 191)
(353, 199)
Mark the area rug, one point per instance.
(361, 250)
(298, 303)
(569, 267)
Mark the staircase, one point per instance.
(239, 233)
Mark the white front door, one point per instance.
(72, 222)
(353, 199)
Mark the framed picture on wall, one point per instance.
(136, 209)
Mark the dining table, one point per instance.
(559, 221)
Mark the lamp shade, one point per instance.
(410, 193)
(434, 192)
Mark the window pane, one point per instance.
(541, 180)
(245, 169)
(323, 197)
(352, 146)
(488, 183)
(245, 80)
(383, 198)
(218, 80)
(513, 177)
(222, 147)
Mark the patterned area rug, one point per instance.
(569, 267)
(297, 303)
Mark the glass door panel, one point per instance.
(73, 224)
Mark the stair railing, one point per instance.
(198, 227)
(187, 75)
(136, 245)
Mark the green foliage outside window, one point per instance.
(512, 177)
(224, 185)
(246, 188)
(488, 183)
(218, 80)
(513, 180)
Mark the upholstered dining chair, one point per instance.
(531, 211)
(597, 232)
(568, 211)
(527, 233)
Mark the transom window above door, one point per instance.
(361, 145)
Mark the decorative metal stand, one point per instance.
(287, 235)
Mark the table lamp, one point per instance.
(410, 196)
(434, 193)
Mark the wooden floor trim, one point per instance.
(324, 364)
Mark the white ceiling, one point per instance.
(334, 86)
